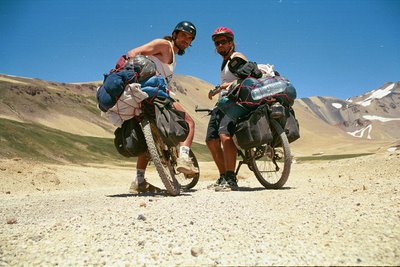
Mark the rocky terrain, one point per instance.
(342, 212)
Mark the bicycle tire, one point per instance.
(186, 181)
(270, 164)
(163, 164)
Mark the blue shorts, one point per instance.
(219, 124)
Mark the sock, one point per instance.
(230, 175)
(184, 152)
(140, 176)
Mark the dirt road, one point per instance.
(343, 212)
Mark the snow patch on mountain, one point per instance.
(360, 133)
(378, 94)
(337, 105)
(378, 118)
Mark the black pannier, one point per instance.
(129, 139)
(255, 130)
(170, 122)
(291, 127)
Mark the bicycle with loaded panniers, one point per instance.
(265, 125)
(135, 98)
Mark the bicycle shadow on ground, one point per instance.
(254, 189)
(163, 193)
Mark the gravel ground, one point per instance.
(344, 212)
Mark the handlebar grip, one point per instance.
(202, 110)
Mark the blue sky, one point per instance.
(326, 48)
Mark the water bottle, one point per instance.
(268, 88)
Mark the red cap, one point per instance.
(222, 31)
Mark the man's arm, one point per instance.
(157, 46)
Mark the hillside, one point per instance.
(67, 107)
(327, 125)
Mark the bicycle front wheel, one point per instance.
(271, 163)
(160, 157)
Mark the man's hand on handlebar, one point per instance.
(218, 89)
(214, 91)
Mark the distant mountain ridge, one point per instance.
(373, 115)
(367, 123)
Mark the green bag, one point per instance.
(232, 109)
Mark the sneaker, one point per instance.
(223, 187)
(143, 187)
(232, 184)
(186, 166)
(220, 180)
(229, 184)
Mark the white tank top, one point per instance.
(164, 69)
(226, 75)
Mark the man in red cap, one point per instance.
(221, 128)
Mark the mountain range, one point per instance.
(369, 123)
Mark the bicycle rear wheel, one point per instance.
(160, 157)
(271, 164)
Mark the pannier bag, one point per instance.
(129, 139)
(292, 128)
(254, 131)
(170, 123)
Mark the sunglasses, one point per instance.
(222, 42)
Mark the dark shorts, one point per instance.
(219, 124)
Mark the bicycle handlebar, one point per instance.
(197, 109)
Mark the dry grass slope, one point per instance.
(72, 108)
